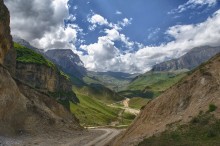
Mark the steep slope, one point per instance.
(36, 71)
(5, 36)
(190, 60)
(23, 108)
(68, 61)
(178, 105)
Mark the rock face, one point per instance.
(23, 109)
(45, 79)
(179, 104)
(26, 110)
(5, 37)
(190, 60)
(69, 62)
(35, 70)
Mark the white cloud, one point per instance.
(97, 19)
(153, 33)
(58, 39)
(193, 4)
(42, 23)
(185, 38)
(118, 12)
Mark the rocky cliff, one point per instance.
(68, 61)
(24, 109)
(179, 104)
(36, 71)
(190, 60)
(5, 37)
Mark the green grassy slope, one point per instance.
(137, 102)
(151, 84)
(92, 112)
(203, 130)
(99, 92)
(26, 55)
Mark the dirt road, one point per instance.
(90, 137)
(104, 139)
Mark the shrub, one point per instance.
(212, 107)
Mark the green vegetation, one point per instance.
(64, 98)
(212, 107)
(113, 80)
(151, 84)
(137, 102)
(92, 112)
(99, 92)
(203, 130)
(26, 55)
(65, 75)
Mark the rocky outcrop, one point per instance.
(179, 104)
(68, 61)
(46, 79)
(5, 37)
(23, 108)
(189, 61)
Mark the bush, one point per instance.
(212, 107)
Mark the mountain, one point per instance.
(68, 61)
(26, 44)
(113, 80)
(190, 101)
(151, 84)
(189, 61)
(38, 72)
(25, 109)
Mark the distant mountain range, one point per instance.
(189, 61)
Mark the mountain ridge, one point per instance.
(190, 60)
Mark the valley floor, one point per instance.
(90, 137)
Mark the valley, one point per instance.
(75, 94)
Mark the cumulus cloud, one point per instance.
(97, 19)
(41, 23)
(185, 38)
(193, 4)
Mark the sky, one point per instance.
(118, 35)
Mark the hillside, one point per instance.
(151, 84)
(100, 93)
(93, 112)
(189, 61)
(194, 94)
(24, 109)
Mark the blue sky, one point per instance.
(118, 35)
(150, 19)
